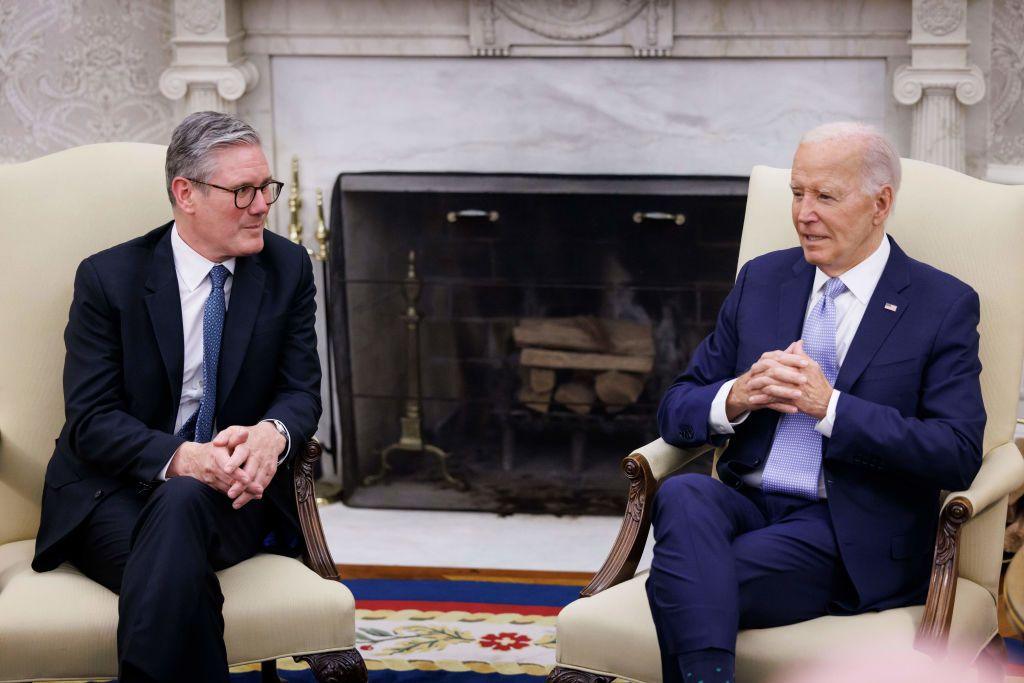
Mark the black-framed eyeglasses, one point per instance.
(245, 194)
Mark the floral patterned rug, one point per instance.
(449, 631)
(458, 626)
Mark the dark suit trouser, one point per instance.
(160, 552)
(727, 559)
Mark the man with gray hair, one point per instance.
(845, 377)
(191, 377)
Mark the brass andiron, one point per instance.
(411, 438)
(295, 207)
(323, 235)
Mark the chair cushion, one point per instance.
(62, 625)
(613, 633)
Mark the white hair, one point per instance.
(880, 162)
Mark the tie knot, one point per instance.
(218, 276)
(834, 287)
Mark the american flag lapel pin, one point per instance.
(890, 307)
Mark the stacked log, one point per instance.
(583, 362)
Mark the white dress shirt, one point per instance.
(193, 271)
(860, 282)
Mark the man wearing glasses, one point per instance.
(190, 378)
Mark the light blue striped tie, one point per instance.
(199, 426)
(794, 464)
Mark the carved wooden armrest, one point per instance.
(317, 556)
(645, 469)
(1002, 471)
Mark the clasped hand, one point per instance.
(239, 462)
(788, 381)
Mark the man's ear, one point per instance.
(883, 205)
(184, 195)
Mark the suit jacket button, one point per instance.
(757, 461)
(98, 494)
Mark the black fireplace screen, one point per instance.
(504, 340)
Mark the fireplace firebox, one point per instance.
(516, 332)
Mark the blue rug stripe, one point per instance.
(463, 591)
(1014, 650)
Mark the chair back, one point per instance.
(54, 212)
(973, 230)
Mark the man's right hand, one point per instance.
(769, 383)
(210, 464)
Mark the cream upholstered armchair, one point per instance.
(55, 211)
(972, 229)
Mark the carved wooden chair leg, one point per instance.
(560, 675)
(342, 666)
(268, 672)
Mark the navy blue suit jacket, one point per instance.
(123, 372)
(909, 420)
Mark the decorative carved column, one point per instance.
(209, 69)
(939, 81)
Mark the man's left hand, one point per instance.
(255, 450)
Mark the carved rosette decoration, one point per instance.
(940, 17)
(199, 16)
(645, 26)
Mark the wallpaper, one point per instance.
(74, 72)
(1007, 83)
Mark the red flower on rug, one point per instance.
(505, 641)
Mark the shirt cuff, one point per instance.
(825, 425)
(163, 473)
(287, 438)
(718, 421)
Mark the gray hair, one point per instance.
(190, 154)
(881, 163)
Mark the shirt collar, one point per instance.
(862, 279)
(192, 267)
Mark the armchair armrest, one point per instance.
(645, 469)
(317, 556)
(1002, 472)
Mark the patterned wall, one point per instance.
(79, 71)
(1006, 83)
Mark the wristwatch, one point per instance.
(279, 426)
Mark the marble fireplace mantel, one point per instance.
(934, 63)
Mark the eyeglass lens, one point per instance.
(245, 195)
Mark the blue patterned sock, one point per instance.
(707, 666)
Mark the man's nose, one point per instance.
(259, 204)
(806, 213)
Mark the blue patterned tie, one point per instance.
(199, 426)
(794, 463)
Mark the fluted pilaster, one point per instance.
(939, 82)
(209, 70)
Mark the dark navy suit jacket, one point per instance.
(123, 372)
(909, 420)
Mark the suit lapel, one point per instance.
(878, 320)
(793, 303)
(164, 306)
(246, 293)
